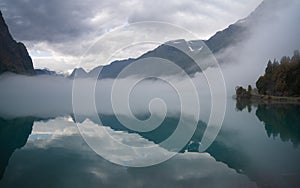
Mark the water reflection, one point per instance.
(242, 104)
(63, 159)
(57, 156)
(13, 134)
(280, 120)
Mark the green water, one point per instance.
(256, 147)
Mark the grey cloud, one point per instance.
(67, 27)
(62, 20)
(201, 17)
(36, 20)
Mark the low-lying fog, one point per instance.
(243, 64)
(44, 96)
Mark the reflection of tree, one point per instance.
(281, 120)
(242, 104)
(13, 134)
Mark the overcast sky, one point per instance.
(57, 32)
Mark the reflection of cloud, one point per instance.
(120, 147)
(53, 128)
(67, 161)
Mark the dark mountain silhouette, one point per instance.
(13, 55)
(48, 72)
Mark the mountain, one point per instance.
(182, 53)
(234, 34)
(13, 55)
(48, 72)
(185, 54)
(78, 73)
(240, 30)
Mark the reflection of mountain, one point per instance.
(225, 149)
(220, 150)
(231, 156)
(67, 162)
(13, 134)
(159, 134)
(281, 120)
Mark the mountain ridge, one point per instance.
(181, 52)
(14, 56)
(221, 40)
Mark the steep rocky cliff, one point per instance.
(13, 55)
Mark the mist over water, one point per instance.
(270, 36)
(45, 96)
(55, 122)
(273, 33)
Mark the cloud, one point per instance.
(68, 28)
(201, 17)
(52, 21)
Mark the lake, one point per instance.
(257, 146)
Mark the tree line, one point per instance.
(281, 78)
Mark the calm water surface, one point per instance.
(258, 146)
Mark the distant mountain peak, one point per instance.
(78, 73)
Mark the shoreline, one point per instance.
(268, 99)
